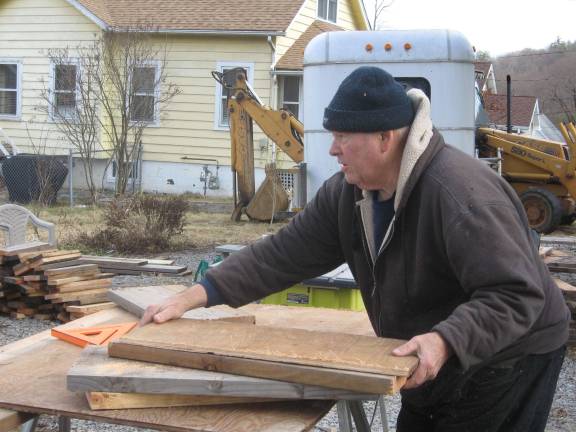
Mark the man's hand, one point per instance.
(174, 307)
(432, 351)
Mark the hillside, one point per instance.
(548, 74)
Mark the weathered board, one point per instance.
(136, 299)
(357, 363)
(114, 401)
(41, 363)
(95, 371)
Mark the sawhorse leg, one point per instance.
(355, 409)
(64, 424)
(30, 425)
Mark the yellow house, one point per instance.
(190, 138)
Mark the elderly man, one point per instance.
(441, 250)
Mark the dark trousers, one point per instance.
(500, 399)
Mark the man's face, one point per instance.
(361, 156)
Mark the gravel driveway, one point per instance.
(562, 418)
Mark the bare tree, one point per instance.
(564, 95)
(70, 101)
(121, 89)
(375, 9)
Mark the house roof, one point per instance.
(522, 109)
(224, 16)
(293, 59)
(484, 69)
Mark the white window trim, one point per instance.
(52, 78)
(156, 65)
(111, 178)
(218, 94)
(281, 98)
(18, 64)
(327, 12)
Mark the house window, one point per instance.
(221, 112)
(327, 10)
(144, 93)
(113, 170)
(290, 94)
(9, 89)
(65, 96)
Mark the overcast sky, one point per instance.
(496, 26)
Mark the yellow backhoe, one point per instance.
(542, 172)
(244, 108)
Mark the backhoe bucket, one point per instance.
(270, 198)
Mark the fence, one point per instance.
(47, 179)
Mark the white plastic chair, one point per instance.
(14, 220)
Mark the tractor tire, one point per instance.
(543, 209)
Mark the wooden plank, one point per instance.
(10, 420)
(33, 278)
(96, 371)
(27, 247)
(89, 309)
(84, 285)
(118, 260)
(84, 297)
(42, 262)
(155, 268)
(136, 299)
(114, 401)
(59, 265)
(42, 389)
(114, 263)
(87, 276)
(357, 363)
(75, 270)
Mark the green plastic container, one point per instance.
(308, 296)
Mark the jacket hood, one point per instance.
(417, 143)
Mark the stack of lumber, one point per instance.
(113, 383)
(42, 282)
(230, 360)
(569, 292)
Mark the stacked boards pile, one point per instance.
(231, 359)
(42, 282)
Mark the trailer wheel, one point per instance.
(543, 209)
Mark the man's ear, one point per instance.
(386, 138)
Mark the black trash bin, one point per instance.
(31, 177)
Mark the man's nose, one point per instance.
(334, 149)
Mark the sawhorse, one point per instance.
(354, 409)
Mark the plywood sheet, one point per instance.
(95, 371)
(136, 299)
(41, 363)
(358, 363)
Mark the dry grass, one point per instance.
(202, 229)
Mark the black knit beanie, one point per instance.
(369, 100)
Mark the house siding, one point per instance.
(308, 14)
(187, 124)
(27, 31)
